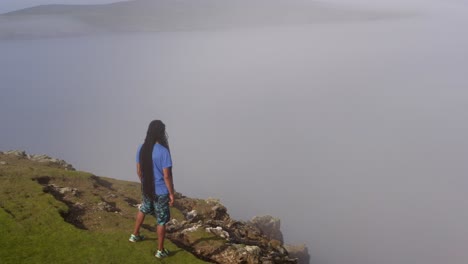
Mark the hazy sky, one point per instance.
(354, 134)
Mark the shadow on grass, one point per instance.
(172, 253)
(189, 248)
(132, 202)
(101, 182)
(75, 211)
(149, 228)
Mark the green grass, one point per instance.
(32, 229)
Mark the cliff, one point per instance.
(49, 212)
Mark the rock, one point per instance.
(44, 158)
(62, 190)
(212, 200)
(67, 190)
(191, 229)
(219, 212)
(243, 242)
(218, 231)
(40, 158)
(111, 195)
(300, 252)
(190, 216)
(104, 206)
(253, 250)
(3, 163)
(269, 225)
(278, 246)
(19, 153)
(172, 225)
(237, 253)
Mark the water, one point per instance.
(353, 134)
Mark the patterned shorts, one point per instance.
(159, 208)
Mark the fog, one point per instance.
(12, 5)
(354, 134)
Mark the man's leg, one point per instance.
(161, 231)
(163, 215)
(140, 217)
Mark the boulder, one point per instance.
(300, 252)
(269, 225)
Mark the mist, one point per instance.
(354, 134)
(13, 5)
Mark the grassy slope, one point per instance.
(32, 229)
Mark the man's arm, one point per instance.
(139, 170)
(169, 184)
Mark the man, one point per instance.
(154, 168)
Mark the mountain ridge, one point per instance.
(165, 15)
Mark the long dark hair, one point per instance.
(156, 133)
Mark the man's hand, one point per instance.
(171, 199)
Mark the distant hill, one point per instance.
(50, 213)
(170, 15)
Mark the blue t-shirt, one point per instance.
(161, 160)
